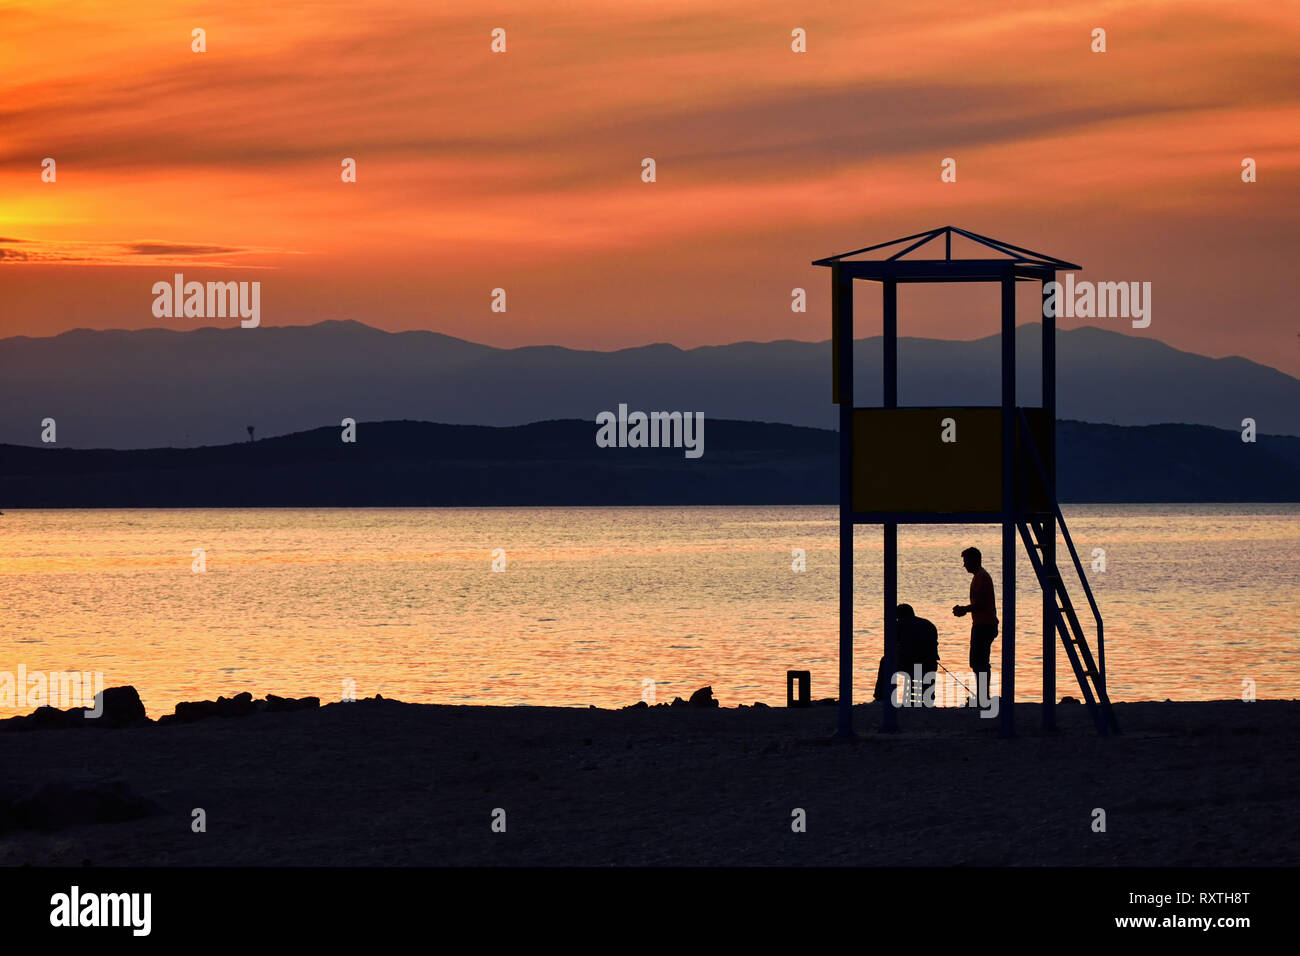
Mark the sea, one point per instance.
(612, 606)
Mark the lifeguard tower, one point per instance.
(896, 468)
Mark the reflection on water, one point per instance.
(595, 601)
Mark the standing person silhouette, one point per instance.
(984, 619)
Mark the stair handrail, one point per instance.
(1078, 566)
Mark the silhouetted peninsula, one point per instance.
(406, 463)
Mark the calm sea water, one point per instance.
(594, 602)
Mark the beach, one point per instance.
(379, 782)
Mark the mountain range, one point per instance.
(158, 388)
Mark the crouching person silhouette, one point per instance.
(916, 654)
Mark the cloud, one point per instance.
(138, 252)
(154, 248)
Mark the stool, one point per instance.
(913, 690)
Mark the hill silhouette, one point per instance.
(408, 463)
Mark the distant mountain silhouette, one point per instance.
(150, 388)
(558, 463)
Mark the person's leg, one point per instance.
(974, 658)
(882, 685)
(992, 636)
(980, 644)
(988, 634)
(929, 674)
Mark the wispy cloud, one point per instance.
(150, 252)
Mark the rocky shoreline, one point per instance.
(117, 707)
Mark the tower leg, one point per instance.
(889, 399)
(1009, 506)
(842, 312)
(1049, 533)
(1049, 629)
(1006, 711)
(889, 714)
(845, 728)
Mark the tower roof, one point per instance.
(898, 259)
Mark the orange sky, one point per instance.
(522, 170)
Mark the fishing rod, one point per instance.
(956, 678)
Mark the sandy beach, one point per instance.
(378, 782)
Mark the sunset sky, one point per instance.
(522, 170)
